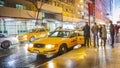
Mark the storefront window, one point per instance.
(0, 26)
(18, 6)
(2, 3)
(54, 3)
(7, 4)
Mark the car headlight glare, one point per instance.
(16, 36)
(50, 46)
(25, 36)
(31, 45)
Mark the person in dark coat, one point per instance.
(100, 30)
(86, 30)
(112, 33)
(116, 28)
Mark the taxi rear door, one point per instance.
(41, 33)
(80, 37)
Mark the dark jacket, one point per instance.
(86, 30)
(112, 32)
(100, 30)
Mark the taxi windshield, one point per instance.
(63, 34)
(36, 30)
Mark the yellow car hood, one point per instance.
(49, 40)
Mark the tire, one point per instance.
(32, 39)
(63, 49)
(71, 48)
(40, 56)
(82, 45)
(5, 44)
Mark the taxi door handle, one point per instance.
(73, 40)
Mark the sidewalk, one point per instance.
(100, 57)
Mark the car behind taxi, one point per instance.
(33, 35)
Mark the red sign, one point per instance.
(91, 8)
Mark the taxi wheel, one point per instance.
(5, 44)
(63, 49)
(32, 39)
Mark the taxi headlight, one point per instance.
(30, 45)
(49, 46)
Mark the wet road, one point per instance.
(17, 56)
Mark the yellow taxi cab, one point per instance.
(33, 35)
(58, 42)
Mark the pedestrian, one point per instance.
(94, 30)
(104, 34)
(86, 30)
(100, 30)
(116, 28)
(112, 33)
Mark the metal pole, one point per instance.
(89, 21)
(89, 13)
(39, 10)
(94, 11)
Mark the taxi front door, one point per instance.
(73, 39)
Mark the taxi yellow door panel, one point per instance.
(73, 41)
(80, 37)
(41, 33)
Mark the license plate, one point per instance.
(36, 51)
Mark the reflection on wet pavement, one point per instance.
(18, 56)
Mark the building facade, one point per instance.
(116, 10)
(18, 16)
(103, 11)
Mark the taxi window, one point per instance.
(41, 30)
(80, 33)
(2, 36)
(63, 34)
(54, 34)
(72, 34)
(32, 30)
(37, 30)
